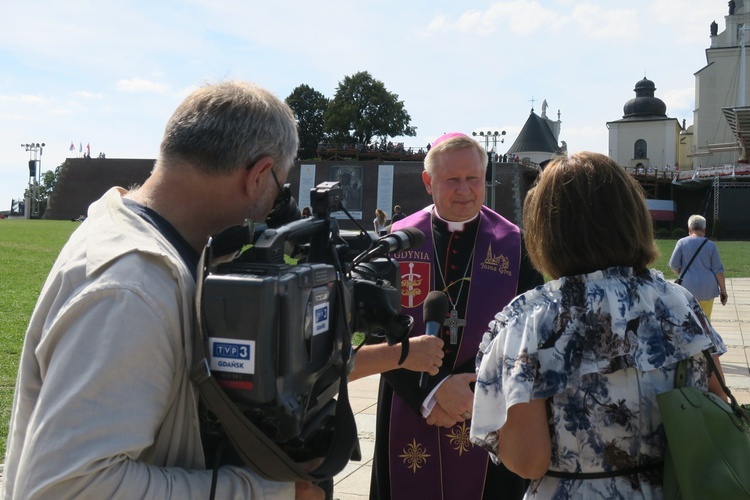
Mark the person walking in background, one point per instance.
(397, 214)
(104, 405)
(696, 261)
(476, 258)
(379, 222)
(568, 373)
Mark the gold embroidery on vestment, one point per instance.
(459, 438)
(414, 456)
(498, 263)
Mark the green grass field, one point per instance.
(28, 249)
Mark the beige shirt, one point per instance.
(104, 407)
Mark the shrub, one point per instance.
(678, 233)
(716, 230)
(661, 233)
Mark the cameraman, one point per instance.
(104, 406)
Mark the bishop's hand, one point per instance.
(455, 395)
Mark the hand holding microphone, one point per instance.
(435, 311)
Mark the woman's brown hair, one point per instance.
(584, 214)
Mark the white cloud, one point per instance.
(694, 19)
(521, 17)
(603, 23)
(24, 99)
(528, 18)
(140, 85)
(679, 99)
(87, 95)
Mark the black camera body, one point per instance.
(275, 342)
(278, 333)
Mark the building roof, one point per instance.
(644, 105)
(535, 136)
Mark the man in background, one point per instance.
(397, 214)
(104, 405)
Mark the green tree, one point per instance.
(308, 105)
(43, 191)
(362, 108)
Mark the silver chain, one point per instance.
(440, 269)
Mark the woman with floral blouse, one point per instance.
(567, 375)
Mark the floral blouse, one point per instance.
(599, 348)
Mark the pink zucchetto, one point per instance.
(446, 136)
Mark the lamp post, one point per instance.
(495, 136)
(35, 150)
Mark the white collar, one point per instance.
(454, 226)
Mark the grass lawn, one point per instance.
(28, 249)
(733, 256)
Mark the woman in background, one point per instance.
(705, 276)
(379, 222)
(569, 372)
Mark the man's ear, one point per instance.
(256, 173)
(427, 181)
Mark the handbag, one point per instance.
(708, 441)
(679, 278)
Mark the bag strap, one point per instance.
(680, 379)
(267, 458)
(692, 259)
(736, 408)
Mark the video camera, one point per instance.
(277, 334)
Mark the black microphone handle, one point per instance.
(431, 328)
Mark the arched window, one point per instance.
(641, 150)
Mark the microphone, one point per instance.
(435, 311)
(404, 239)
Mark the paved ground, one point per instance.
(731, 321)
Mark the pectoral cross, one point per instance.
(454, 323)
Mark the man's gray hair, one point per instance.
(228, 126)
(453, 144)
(697, 223)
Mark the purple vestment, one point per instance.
(433, 462)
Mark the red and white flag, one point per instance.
(88, 149)
(72, 146)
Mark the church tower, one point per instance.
(538, 138)
(719, 85)
(645, 138)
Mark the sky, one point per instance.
(109, 74)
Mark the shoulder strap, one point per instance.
(692, 259)
(732, 400)
(266, 457)
(680, 379)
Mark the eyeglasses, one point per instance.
(278, 184)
